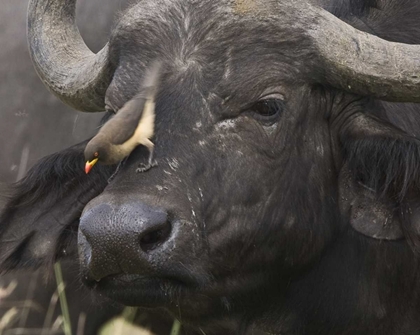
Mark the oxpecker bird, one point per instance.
(132, 125)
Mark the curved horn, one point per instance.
(353, 60)
(366, 64)
(63, 61)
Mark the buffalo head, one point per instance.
(280, 177)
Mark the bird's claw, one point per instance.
(146, 167)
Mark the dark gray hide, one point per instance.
(254, 216)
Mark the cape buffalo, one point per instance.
(286, 192)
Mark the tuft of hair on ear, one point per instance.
(54, 174)
(382, 157)
(40, 217)
(386, 160)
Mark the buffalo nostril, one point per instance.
(153, 238)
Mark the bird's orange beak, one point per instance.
(89, 165)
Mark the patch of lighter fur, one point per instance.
(173, 164)
(226, 125)
(198, 126)
(186, 58)
(320, 150)
(184, 62)
(271, 129)
(290, 222)
(205, 103)
(193, 214)
(200, 191)
(245, 6)
(228, 67)
(189, 197)
(187, 22)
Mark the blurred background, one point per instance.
(33, 124)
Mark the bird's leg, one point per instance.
(121, 163)
(150, 162)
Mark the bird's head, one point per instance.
(95, 152)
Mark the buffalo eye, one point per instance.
(267, 110)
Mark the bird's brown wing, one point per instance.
(124, 124)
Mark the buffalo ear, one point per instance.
(379, 178)
(368, 213)
(41, 215)
(381, 156)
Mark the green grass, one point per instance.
(63, 299)
(14, 320)
(176, 328)
(120, 326)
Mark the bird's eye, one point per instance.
(266, 110)
(96, 154)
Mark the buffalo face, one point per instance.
(261, 171)
(215, 222)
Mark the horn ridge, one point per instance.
(61, 58)
(352, 60)
(365, 64)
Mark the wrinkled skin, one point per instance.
(230, 182)
(206, 214)
(247, 191)
(245, 222)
